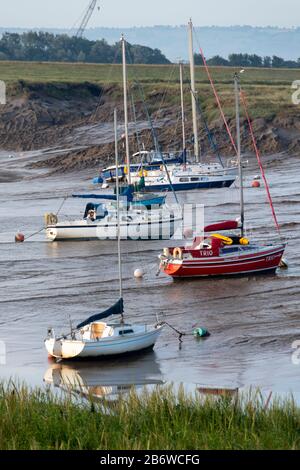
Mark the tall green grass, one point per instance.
(161, 419)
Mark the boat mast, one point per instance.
(118, 205)
(193, 91)
(238, 136)
(126, 107)
(182, 107)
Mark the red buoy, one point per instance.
(256, 184)
(19, 238)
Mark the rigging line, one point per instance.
(137, 133)
(172, 71)
(244, 101)
(155, 138)
(216, 95)
(210, 135)
(153, 132)
(62, 205)
(102, 92)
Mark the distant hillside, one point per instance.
(172, 40)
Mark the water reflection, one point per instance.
(101, 379)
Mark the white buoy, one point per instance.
(139, 274)
(284, 264)
(105, 186)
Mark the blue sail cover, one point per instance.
(117, 309)
(126, 192)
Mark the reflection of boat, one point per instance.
(219, 392)
(93, 338)
(218, 255)
(109, 378)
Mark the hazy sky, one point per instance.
(65, 13)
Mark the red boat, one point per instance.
(230, 255)
(221, 256)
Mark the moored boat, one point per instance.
(205, 260)
(93, 338)
(228, 254)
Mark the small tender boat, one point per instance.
(93, 338)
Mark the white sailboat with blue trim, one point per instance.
(94, 338)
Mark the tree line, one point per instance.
(249, 60)
(44, 47)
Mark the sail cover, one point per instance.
(117, 309)
(126, 192)
(222, 226)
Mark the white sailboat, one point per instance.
(94, 338)
(137, 223)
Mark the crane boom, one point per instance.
(86, 18)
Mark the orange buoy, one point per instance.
(19, 238)
(255, 184)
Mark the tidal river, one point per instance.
(253, 321)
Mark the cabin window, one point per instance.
(194, 179)
(126, 332)
(183, 180)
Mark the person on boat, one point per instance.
(90, 212)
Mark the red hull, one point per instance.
(267, 260)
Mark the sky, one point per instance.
(126, 13)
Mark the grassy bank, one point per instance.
(159, 420)
(105, 73)
(269, 90)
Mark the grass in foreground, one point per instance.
(35, 419)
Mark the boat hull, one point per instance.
(152, 230)
(266, 261)
(107, 347)
(207, 184)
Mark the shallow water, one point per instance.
(253, 321)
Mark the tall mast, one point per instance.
(193, 91)
(238, 136)
(118, 204)
(126, 107)
(182, 106)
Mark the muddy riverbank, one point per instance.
(75, 122)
